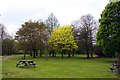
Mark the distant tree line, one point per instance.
(6, 42)
(35, 37)
(85, 35)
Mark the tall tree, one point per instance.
(32, 36)
(108, 35)
(3, 35)
(3, 32)
(7, 46)
(62, 40)
(84, 29)
(52, 22)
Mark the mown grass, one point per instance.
(59, 68)
(0, 68)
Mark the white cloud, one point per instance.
(12, 29)
(16, 12)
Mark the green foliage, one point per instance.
(7, 46)
(32, 36)
(108, 35)
(62, 39)
(114, 0)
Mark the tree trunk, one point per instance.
(88, 55)
(53, 54)
(30, 53)
(46, 54)
(73, 54)
(68, 54)
(91, 50)
(91, 55)
(10, 53)
(34, 53)
(87, 51)
(62, 55)
(41, 52)
(49, 53)
(24, 56)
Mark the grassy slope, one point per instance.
(59, 68)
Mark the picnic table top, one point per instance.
(25, 60)
(26, 63)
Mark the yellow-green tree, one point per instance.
(62, 40)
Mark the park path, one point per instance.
(5, 58)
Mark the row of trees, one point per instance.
(38, 36)
(6, 41)
(35, 37)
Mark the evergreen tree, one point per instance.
(108, 35)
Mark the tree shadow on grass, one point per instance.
(28, 67)
(90, 58)
(109, 61)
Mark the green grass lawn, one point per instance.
(0, 68)
(59, 68)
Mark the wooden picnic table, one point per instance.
(26, 63)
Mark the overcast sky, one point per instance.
(16, 12)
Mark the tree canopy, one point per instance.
(114, 0)
(3, 32)
(7, 46)
(108, 35)
(85, 33)
(52, 22)
(32, 36)
(62, 39)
